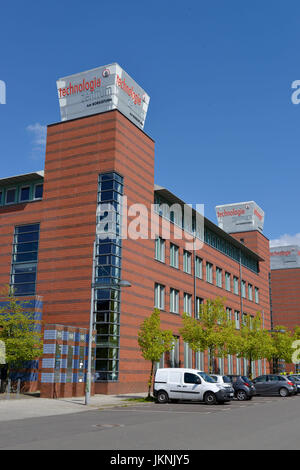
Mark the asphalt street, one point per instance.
(263, 423)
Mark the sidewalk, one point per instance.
(34, 407)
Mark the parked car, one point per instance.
(244, 388)
(274, 384)
(225, 382)
(296, 380)
(187, 384)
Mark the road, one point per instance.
(263, 423)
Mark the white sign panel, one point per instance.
(100, 90)
(240, 217)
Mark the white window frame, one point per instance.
(187, 303)
(199, 267)
(160, 249)
(174, 255)
(159, 296)
(174, 300)
(187, 262)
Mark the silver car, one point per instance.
(225, 382)
(273, 384)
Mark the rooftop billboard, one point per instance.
(240, 217)
(285, 257)
(99, 90)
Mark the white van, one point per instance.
(188, 384)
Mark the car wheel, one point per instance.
(210, 398)
(283, 392)
(241, 395)
(162, 397)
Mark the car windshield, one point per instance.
(206, 377)
(226, 379)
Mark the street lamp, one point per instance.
(94, 285)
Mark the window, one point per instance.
(174, 301)
(250, 292)
(174, 354)
(191, 378)
(235, 285)
(187, 265)
(187, 303)
(219, 277)
(199, 360)
(209, 272)
(238, 366)
(237, 319)
(257, 295)
(159, 296)
(174, 256)
(229, 313)
(10, 196)
(227, 282)
(188, 356)
(160, 249)
(25, 194)
(38, 191)
(199, 303)
(229, 364)
(244, 319)
(24, 259)
(244, 289)
(198, 267)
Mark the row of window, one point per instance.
(160, 302)
(173, 213)
(196, 360)
(187, 268)
(24, 193)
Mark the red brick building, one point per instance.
(285, 286)
(47, 232)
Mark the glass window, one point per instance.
(244, 289)
(199, 303)
(237, 319)
(160, 249)
(219, 277)
(174, 301)
(256, 295)
(188, 356)
(250, 292)
(235, 285)
(187, 303)
(10, 196)
(174, 256)
(209, 272)
(159, 296)
(38, 191)
(25, 193)
(187, 265)
(24, 259)
(198, 267)
(191, 378)
(227, 282)
(1, 196)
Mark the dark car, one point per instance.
(296, 380)
(243, 387)
(274, 384)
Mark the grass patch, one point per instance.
(141, 399)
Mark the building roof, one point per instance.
(208, 223)
(27, 177)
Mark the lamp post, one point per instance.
(94, 285)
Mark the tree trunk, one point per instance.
(250, 368)
(150, 379)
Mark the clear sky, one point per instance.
(219, 75)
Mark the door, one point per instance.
(191, 387)
(261, 384)
(273, 384)
(175, 385)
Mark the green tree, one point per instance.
(282, 340)
(18, 331)
(254, 342)
(153, 341)
(213, 331)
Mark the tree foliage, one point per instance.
(213, 331)
(18, 331)
(153, 341)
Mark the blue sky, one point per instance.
(219, 75)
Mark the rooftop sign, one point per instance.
(285, 257)
(100, 90)
(240, 217)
